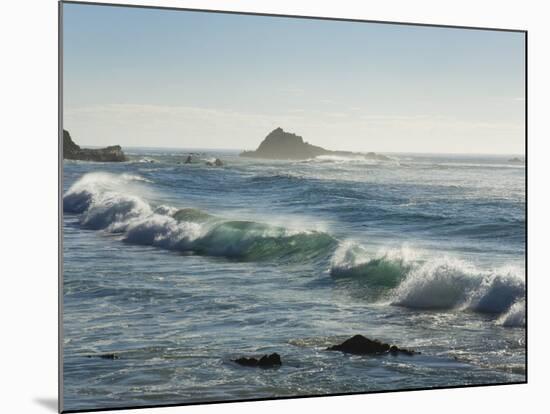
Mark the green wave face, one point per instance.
(251, 241)
(379, 272)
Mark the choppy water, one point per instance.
(179, 268)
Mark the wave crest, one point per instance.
(448, 283)
(104, 204)
(387, 269)
(97, 197)
(118, 204)
(515, 317)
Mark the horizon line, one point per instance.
(351, 151)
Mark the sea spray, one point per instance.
(118, 204)
(450, 283)
(385, 269)
(515, 317)
(108, 202)
(416, 283)
(168, 298)
(97, 187)
(498, 290)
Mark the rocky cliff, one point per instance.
(72, 151)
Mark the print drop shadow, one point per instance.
(49, 403)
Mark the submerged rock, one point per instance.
(266, 361)
(72, 151)
(104, 356)
(395, 350)
(360, 345)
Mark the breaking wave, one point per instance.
(119, 204)
(515, 317)
(431, 284)
(387, 270)
(450, 283)
(104, 202)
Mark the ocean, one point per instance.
(172, 270)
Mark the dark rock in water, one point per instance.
(188, 160)
(394, 350)
(270, 360)
(105, 356)
(247, 362)
(72, 151)
(217, 163)
(266, 361)
(281, 145)
(359, 345)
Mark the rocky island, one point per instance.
(72, 151)
(281, 145)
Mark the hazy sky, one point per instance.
(159, 78)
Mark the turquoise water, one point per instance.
(179, 268)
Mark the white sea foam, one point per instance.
(163, 231)
(115, 203)
(449, 283)
(98, 197)
(350, 255)
(108, 202)
(420, 282)
(515, 317)
(134, 177)
(384, 269)
(340, 158)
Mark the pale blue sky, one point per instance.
(147, 77)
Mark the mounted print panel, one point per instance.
(260, 207)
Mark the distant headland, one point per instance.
(281, 145)
(72, 151)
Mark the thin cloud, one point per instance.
(134, 124)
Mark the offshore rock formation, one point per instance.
(281, 145)
(284, 145)
(72, 151)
